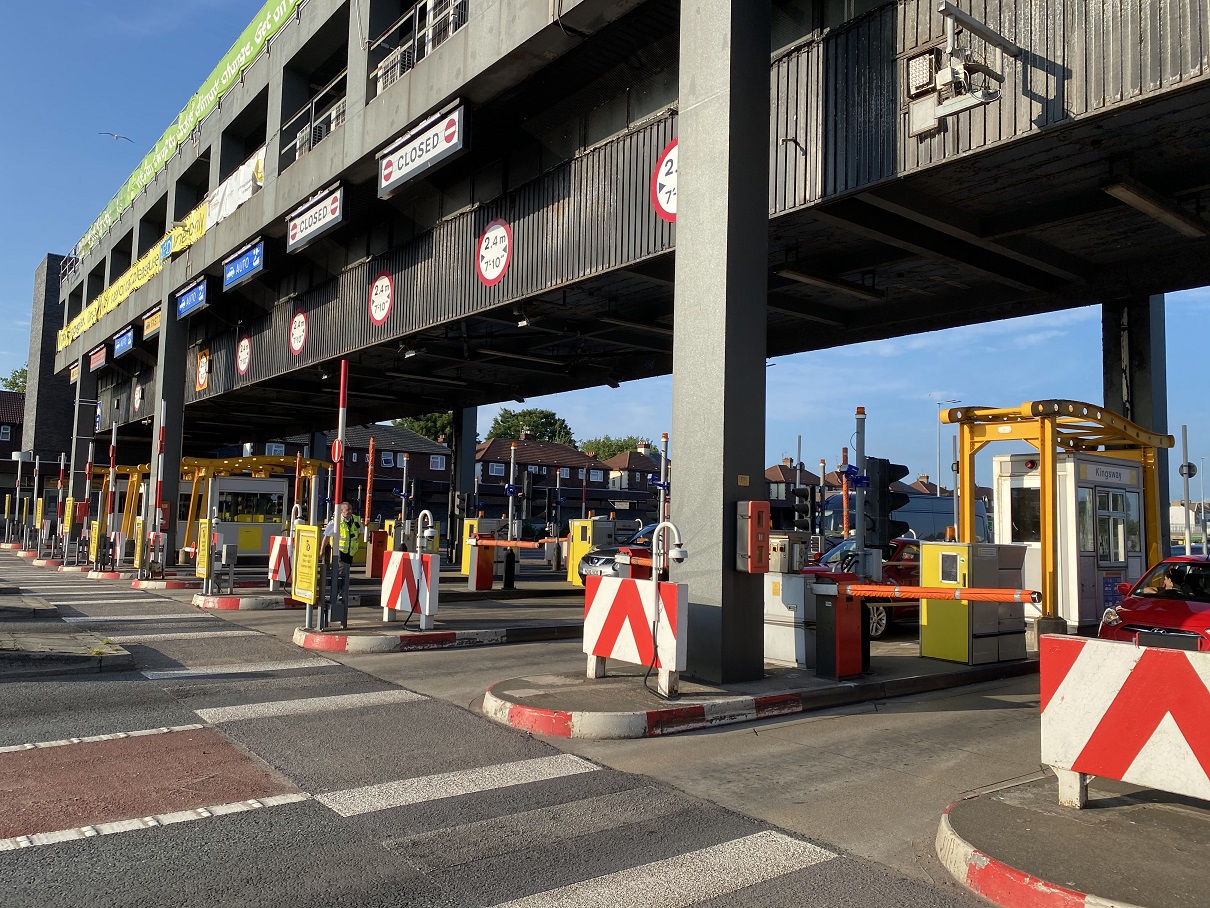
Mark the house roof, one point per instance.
(633, 460)
(540, 453)
(386, 437)
(782, 473)
(12, 407)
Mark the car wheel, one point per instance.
(880, 618)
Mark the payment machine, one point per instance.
(584, 535)
(482, 526)
(973, 633)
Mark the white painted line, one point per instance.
(356, 801)
(306, 705)
(163, 819)
(196, 635)
(242, 668)
(86, 618)
(37, 745)
(698, 876)
(92, 600)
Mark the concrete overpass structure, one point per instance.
(818, 208)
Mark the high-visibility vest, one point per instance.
(350, 535)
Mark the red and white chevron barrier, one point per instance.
(280, 550)
(410, 583)
(619, 616)
(1137, 714)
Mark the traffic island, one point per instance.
(42, 654)
(1015, 846)
(394, 641)
(251, 602)
(48, 562)
(111, 575)
(620, 706)
(170, 584)
(20, 608)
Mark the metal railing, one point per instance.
(315, 121)
(411, 38)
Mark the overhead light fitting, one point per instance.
(522, 315)
(408, 352)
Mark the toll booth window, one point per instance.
(1111, 526)
(1085, 522)
(1025, 512)
(1134, 535)
(251, 507)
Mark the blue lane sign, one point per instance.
(244, 265)
(191, 299)
(123, 342)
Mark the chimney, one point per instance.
(525, 436)
(924, 479)
(643, 448)
(787, 461)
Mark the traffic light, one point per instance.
(882, 501)
(804, 509)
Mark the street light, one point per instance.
(940, 404)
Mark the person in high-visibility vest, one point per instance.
(347, 531)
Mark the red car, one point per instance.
(1169, 607)
(901, 569)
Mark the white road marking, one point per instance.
(167, 617)
(697, 876)
(370, 798)
(163, 819)
(305, 705)
(196, 635)
(92, 600)
(242, 668)
(37, 745)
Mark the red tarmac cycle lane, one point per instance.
(73, 785)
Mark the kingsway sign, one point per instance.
(315, 219)
(434, 142)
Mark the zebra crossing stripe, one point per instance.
(195, 635)
(355, 801)
(306, 705)
(239, 668)
(173, 616)
(687, 879)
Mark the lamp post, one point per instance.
(1202, 504)
(940, 404)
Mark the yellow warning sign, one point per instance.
(94, 541)
(202, 568)
(138, 541)
(69, 510)
(306, 572)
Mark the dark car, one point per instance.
(901, 568)
(1168, 607)
(603, 561)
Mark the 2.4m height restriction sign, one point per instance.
(663, 183)
(495, 252)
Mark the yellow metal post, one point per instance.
(1151, 506)
(1049, 542)
(966, 483)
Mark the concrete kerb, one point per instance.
(343, 641)
(250, 603)
(691, 716)
(1001, 884)
(48, 562)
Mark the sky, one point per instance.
(129, 66)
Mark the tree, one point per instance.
(432, 426)
(542, 425)
(606, 447)
(15, 380)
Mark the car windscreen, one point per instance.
(642, 536)
(1176, 580)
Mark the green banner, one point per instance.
(268, 22)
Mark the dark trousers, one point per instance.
(340, 600)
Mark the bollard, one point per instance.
(510, 569)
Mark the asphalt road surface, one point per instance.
(236, 769)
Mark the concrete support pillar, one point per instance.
(170, 391)
(84, 428)
(1135, 372)
(718, 383)
(466, 429)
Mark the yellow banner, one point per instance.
(94, 541)
(183, 235)
(138, 541)
(306, 572)
(69, 510)
(203, 549)
(38, 509)
(8, 504)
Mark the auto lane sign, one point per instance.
(243, 266)
(435, 141)
(314, 219)
(663, 183)
(193, 297)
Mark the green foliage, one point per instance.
(606, 446)
(434, 426)
(542, 425)
(15, 380)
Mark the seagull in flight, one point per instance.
(116, 136)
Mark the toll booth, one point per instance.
(1102, 537)
(1087, 503)
(481, 526)
(584, 535)
(973, 633)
